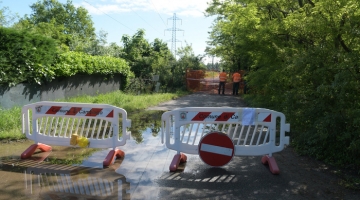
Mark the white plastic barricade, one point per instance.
(217, 134)
(75, 124)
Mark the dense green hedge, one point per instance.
(25, 57)
(71, 63)
(30, 58)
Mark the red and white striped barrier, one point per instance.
(75, 111)
(252, 131)
(75, 124)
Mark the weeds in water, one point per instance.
(72, 157)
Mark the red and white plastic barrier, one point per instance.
(75, 124)
(218, 133)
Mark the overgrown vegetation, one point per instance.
(302, 58)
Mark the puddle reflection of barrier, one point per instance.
(81, 182)
(251, 132)
(75, 124)
(221, 178)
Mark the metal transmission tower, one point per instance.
(173, 30)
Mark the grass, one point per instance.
(10, 120)
(10, 124)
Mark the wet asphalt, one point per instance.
(201, 100)
(144, 171)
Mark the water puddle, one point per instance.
(68, 172)
(78, 173)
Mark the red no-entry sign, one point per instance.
(216, 149)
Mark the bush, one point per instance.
(25, 57)
(71, 63)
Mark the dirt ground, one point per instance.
(319, 179)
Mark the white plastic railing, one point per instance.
(254, 131)
(54, 123)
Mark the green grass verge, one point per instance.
(10, 119)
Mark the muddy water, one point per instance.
(78, 173)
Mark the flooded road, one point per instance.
(78, 173)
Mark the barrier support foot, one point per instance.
(111, 156)
(30, 151)
(178, 158)
(270, 160)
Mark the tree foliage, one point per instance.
(68, 24)
(188, 59)
(6, 16)
(137, 53)
(302, 57)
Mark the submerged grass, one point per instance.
(74, 156)
(10, 119)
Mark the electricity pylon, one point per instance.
(173, 30)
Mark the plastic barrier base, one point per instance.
(30, 151)
(272, 164)
(111, 156)
(178, 158)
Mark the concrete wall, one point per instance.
(23, 94)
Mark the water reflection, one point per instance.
(46, 181)
(143, 122)
(85, 182)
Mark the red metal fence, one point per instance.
(207, 82)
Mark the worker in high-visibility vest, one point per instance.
(222, 77)
(236, 78)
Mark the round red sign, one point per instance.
(216, 149)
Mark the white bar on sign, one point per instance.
(216, 149)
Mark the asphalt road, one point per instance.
(201, 100)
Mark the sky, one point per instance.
(156, 17)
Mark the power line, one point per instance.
(157, 12)
(142, 19)
(109, 16)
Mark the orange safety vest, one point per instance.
(222, 77)
(236, 77)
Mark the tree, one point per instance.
(75, 21)
(136, 52)
(303, 58)
(147, 59)
(50, 30)
(6, 17)
(187, 58)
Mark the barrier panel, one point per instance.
(207, 131)
(75, 124)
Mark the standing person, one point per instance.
(236, 78)
(222, 77)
